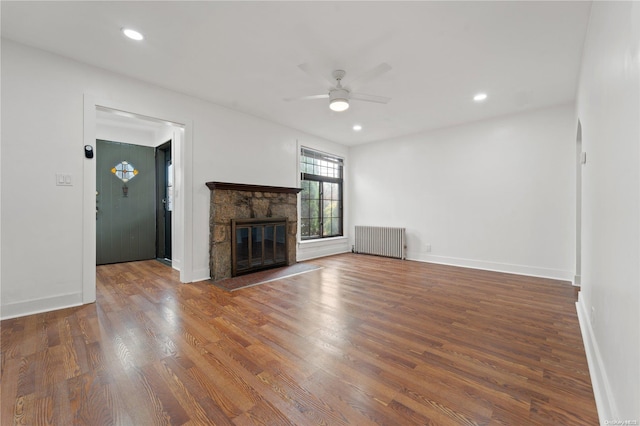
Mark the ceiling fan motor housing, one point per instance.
(335, 94)
(339, 99)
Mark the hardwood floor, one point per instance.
(364, 340)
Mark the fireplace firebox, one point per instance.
(258, 244)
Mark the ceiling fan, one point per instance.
(338, 95)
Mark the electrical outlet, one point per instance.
(427, 248)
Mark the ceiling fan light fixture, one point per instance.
(339, 100)
(339, 105)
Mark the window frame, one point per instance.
(336, 160)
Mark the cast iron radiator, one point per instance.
(381, 241)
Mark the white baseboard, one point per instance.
(605, 402)
(508, 268)
(37, 306)
(202, 274)
(176, 264)
(577, 280)
(321, 253)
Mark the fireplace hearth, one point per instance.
(265, 216)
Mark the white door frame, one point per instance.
(183, 192)
(578, 161)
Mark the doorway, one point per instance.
(164, 202)
(580, 160)
(181, 134)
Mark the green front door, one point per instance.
(125, 202)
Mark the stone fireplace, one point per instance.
(237, 203)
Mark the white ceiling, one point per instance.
(245, 55)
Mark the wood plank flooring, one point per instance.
(362, 341)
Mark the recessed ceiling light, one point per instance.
(132, 34)
(357, 127)
(480, 97)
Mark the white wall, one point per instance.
(42, 134)
(609, 303)
(118, 132)
(497, 194)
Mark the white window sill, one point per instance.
(324, 241)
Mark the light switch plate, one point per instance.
(63, 179)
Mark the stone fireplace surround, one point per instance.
(242, 201)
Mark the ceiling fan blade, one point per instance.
(317, 75)
(370, 75)
(369, 98)
(305, 98)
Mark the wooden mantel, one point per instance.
(251, 188)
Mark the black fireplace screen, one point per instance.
(258, 244)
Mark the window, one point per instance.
(321, 205)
